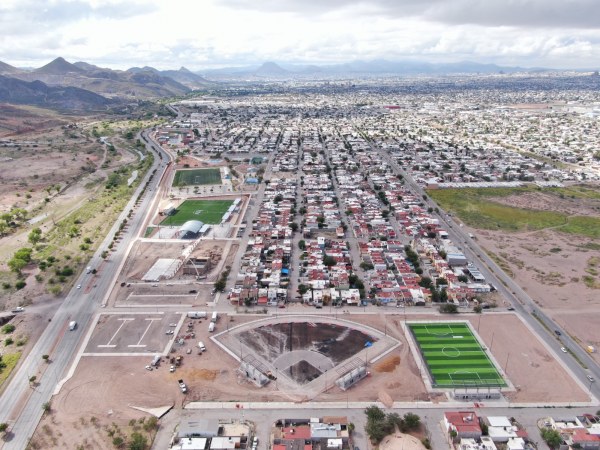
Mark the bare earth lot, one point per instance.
(551, 267)
(559, 271)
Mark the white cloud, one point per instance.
(121, 34)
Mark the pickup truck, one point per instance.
(182, 386)
(18, 309)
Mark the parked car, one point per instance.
(172, 368)
(149, 368)
(564, 350)
(557, 332)
(591, 378)
(78, 286)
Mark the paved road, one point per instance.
(21, 403)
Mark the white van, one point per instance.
(211, 327)
(214, 317)
(201, 346)
(72, 325)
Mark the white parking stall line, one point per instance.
(151, 320)
(108, 344)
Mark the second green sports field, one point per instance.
(194, 177)
(206, 211)
(454, 356)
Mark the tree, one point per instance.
(425, 282)
(3, 427)
(220, 285)
(366, 266)
(138, 441)
(376, 430)
(392, 420)
(151, 424)
(443, 296)
(46, 358)
(302, 289)
(35, 236)
(374, 412)
(47, 407)
(329, 261)
(118, 441)
(441, 281)
(449, 308)
(411, 421)
(302, 245)
(20, 259)
(477, 309)
(294, 226)
(552, 437)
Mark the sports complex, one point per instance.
(206, 211)
(454, 357)
(193, 177)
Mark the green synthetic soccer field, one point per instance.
(454, 356)
(196, 177)
(207, 211)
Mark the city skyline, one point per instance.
(218, 33)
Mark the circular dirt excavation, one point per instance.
(304, 350)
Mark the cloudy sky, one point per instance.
(214, 33)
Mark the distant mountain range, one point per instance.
(362, 68)
(82, 85)
(143, 83)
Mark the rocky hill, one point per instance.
(15, 91)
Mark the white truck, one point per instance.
(211, 327)
(182, 386)
(197, 314)
(72, 325)
(201, 346)
(155, 360)
(214, 317)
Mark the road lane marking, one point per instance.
(108, 344)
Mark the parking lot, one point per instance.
(134, 333)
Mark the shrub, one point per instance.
(8, 328)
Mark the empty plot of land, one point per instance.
(197, 177)
(132, 333)
(454, 356)
(206, 211)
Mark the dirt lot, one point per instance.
(561, 272)
(51, 173)
(552, 268)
